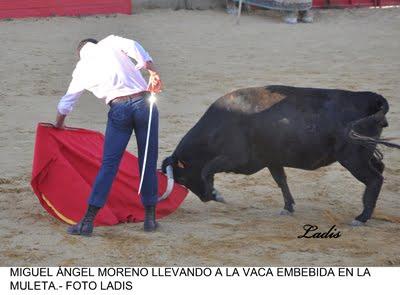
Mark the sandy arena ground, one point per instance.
(202, 55)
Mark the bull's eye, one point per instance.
(180, 164)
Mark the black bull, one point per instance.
(280, 126)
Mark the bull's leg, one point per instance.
(367, 170)
(278, 173)
(218, 164)
(377, 164)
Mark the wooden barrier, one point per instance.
(40, 8)
(354, 3)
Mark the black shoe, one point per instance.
(150, 223)
(85, 226)
(82, 228)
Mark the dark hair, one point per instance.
(84, 41)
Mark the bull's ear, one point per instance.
(181, 164)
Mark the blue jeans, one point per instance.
(123, 119)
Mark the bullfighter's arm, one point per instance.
(68, 101)
(134, 50)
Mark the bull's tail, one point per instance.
(371, 143)
(372, 124)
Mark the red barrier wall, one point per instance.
(354, 3)
(37, 8)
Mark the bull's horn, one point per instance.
(170, 185)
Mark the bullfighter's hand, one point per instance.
(59, 124)
(155, 84)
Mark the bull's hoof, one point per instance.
(356, 222)
(286, 212)
(218, 197)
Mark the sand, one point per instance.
(201, 56)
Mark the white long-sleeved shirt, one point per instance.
(106, 70)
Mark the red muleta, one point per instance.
(64, 168)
